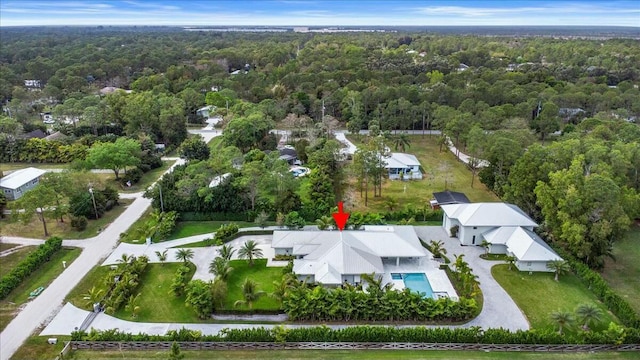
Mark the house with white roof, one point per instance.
(217, 180)
(402, 166)
(18, 182)
(506, 228)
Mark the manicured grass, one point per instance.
(37, 348)
(95, 277)
(419, 192)
(623, 274)
(190, 228)
(18, 166)
(64, 230)
(10, 261)
(6, 246)
(494, 257)
(215, 144)
(352, 355)
(157, 303)
(41, 277)
(538, 295)
(264, 276)
(135, 233)
(147, 179)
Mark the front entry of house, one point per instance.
(473, 240)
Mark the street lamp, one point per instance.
(95, 208)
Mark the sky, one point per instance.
(320, 12)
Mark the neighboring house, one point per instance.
(402, 166)
(56, 136)
(506, 228)
(205, 111)
(18, 182)
(37, 134)
(33, 84)
(463, 67)
(219, 179)
(290, 155)
(333, 258)
(448, 198)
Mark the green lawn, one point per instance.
(351, 355)
(538, 295)
(41, 277)
(18, 166)
(264, 276)
(190, 228)
(147, 179)
(95, 277)
(215, 144)
(64, 230)
(7, 246)
(437, 167)
(37, 348)
(156, 302)
(623, 274)
(10, 261)
(135, 233)
(494, 257)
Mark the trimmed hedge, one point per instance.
(377, 334)
(30, 264)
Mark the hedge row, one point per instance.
(373, 334)
(614, 302)
(27, 266)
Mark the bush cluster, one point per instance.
(418, 334)
(124, 287)
(27, 266)
(225, 231)
(180, 280)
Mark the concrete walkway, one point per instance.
(44, 307)
(499, 310)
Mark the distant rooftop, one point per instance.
(20, 177)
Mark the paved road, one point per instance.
(44, 307)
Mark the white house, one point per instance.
(402, 166)
(219, 180)
(333, 257)
(506, 228)
(18, 182)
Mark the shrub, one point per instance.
(79, 222)
(225, 231)
(30, 264)
(133, 175)
(293, 220)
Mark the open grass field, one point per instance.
(350, 355)
(10, 261)
(538, 295)
(439, 167)
(264, 276)
(34, 228)
(18, 166)
(41, 277)
(190, 228)
(623, 274)
(157, 304)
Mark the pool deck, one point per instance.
(438, 279)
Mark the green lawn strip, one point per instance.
(19, 165)
(147, 179)
(264, 277)
(215, 144)
(417, 192)
(351, 355)
(95, 277)
(37, 348)
(10, 261)
(494, 257)
(623, 274)
(190, 228)
(157, 303)
(6, 246)
(41, 277)
(135, 233)
(538, 295)
(64, 230)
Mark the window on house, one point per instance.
(475, 228)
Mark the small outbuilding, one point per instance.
(18, 182)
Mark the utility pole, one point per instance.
(95, 208)
(322, 118)
(161, 202)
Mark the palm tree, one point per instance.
(485, 244)
(250, 251)
(162, 256)
(282, 287)
(563, 319)
(510, 260)
(588, 314)
(220, 268)
(226, 252)
(460, 264)
(402, 142)
(92, 296)
(559, 267)
(408, 221)
(324, 223)
(250, 293)
(132, 305)
(437, 248)
(126, 258)
(185, 255)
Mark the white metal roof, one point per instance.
(219, 179)
(499, 236)
(528, 246)
(488, 214)
(20, 177)
(400, 161)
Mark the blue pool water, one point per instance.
(418, 282)
(396, 276)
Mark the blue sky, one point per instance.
(318, 12)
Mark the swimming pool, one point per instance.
(418, 282)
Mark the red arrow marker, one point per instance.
(340, 217)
